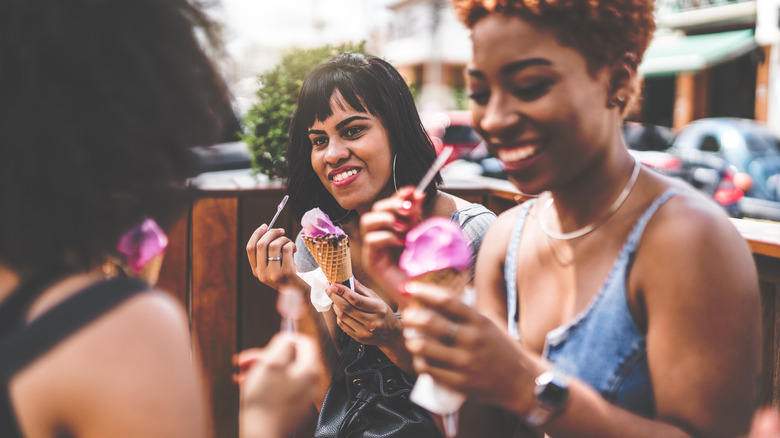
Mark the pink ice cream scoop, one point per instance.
(316, 223)
(143, 243)
(434, 245)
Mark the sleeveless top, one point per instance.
(22, 345)
(474, 220)
(601, 346)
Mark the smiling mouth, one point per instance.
(518, 154)
(341, 176)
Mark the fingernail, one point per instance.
(406, 205)
(264, 227)
(400, 225)
(403, 290)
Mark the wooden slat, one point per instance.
(776, 351)
(762, 236)
(768, 267)
(214, 303)
(769, 344)
(174, 274)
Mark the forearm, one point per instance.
(588, 414)
(258, 424)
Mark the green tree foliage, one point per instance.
(267, 123)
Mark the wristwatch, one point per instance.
(550, 396)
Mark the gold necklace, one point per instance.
(593, 225)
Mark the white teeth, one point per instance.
(516, 154)
(344, 175)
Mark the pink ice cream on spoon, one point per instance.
(316, 223)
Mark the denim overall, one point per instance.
(601, 346)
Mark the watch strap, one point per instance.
(551, 395)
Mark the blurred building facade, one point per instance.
(430, 48)
(709, 58)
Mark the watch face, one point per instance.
(551, 390)
(554, 395)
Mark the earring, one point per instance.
(395, 184)
(618, 100)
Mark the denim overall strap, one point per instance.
(510, 270)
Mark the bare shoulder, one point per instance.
(691, 253)
(489, 276)
(692, 224)
(133, 365)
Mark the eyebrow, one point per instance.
(340, 125)
(513, 67)
(349, 120)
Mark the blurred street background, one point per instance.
(709, 59)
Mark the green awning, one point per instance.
(673, 54)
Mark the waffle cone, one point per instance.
(332, 255)
(151, 272)
(451, 278)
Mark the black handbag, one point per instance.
(369, 397)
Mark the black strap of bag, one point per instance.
(369, 397)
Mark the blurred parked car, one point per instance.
(451, 128)
(741, 152)
(710, 174)
(747, 146)
(223, 156)
(649, 144)
(647, 137)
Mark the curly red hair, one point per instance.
(603, 31)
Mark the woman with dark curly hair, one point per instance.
(620, 302)
(102, 102)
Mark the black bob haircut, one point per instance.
(101, 103)
(367, 84)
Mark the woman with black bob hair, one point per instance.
(366, 84)
(355, 138)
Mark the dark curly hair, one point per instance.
(603, 31)
(101, 102)
(367, 84)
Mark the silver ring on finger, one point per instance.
(275, 259)
(452, 330)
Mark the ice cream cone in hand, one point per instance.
(437, 252)
(328, 244)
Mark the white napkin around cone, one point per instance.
(318, 282)
(434, 397)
